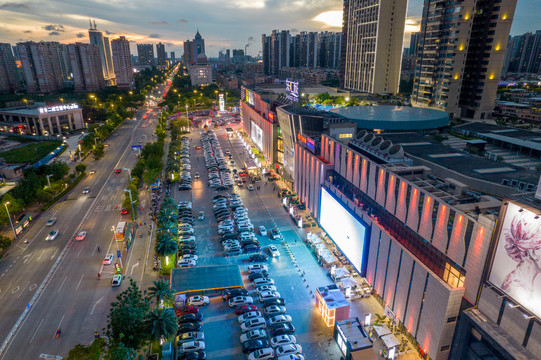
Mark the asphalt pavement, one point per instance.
(71, 297)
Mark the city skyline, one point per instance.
(68, 23)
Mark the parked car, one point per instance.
(258, 258)
(188, 327)
(252, 324)
(262, 354)
(198, 300)
(258, 275)
(274, 234)
(273, 310)
(253, 335)
(262, 231)
(191, 346)
(263, 288)
(249, 315)
(117, 280)
(291, 357)
(273, 250)
(265, 295)
(252, 345)
(282, 340)
(243, 309)
(188, 309)
(190, 318)
(257, 268)
(282, 329)
(279, 319)
(240, 300)
(288, 349)
(263, 281)
(191, 336)
(228, 294)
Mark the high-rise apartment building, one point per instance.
(198, 46)
(160, 52)
(188, 52)
(122, 63)
(86, 66)
(523, 54)
(374, 32)
(173, 59)
(329, 48)
(458, 69)
(145, 52)
(414, 43)
(41, 66)
(307, 49)
(96, 38)
(9, 77)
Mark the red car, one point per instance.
(188, 309)
(124, 212)
(198, 148)
(239, 310)
(117, 171)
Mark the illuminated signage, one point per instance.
(222, 102)
(515, 268)
(292, 90)
(256, 134)
(251, 98)
(309, 143)
(301, 138)
(57, 108)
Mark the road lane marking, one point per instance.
(14, 290)
(26, 258)
(79, 253)
(5, 291)
(52, 256)
(133, 266)
(65, 278)
(18, 297)
(35, 332)
(94, 307)
(79, 283)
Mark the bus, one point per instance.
(120, 231)
(229, 132)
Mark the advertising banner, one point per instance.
(516, 264)
(256, 134)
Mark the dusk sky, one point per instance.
(223, 24)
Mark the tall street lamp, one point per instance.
(129, 173)
(49, 181)
(9, 216)
(187, 117)
(131, 202)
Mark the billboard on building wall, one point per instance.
(348, 233)
(256, 133)
(517, 264)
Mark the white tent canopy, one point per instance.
(341, 272)
(382, 330)
(390, 341)
(348, 282)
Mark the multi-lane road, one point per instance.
(46, 285)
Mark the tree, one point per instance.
(166, 247)
(161, 290)
(82, 352)
(161, 322)
(80, 168)
(119, 351)
(125, 322)
(5, 242)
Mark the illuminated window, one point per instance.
(453, 277)
(345, 136)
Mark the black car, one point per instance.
(223, 217)
(196, 355)
(221, 212)
(258, 275)
(187, 252)
(190, 318)
(219, 197)
(258, 258)
(187, 246)
(188, 327)
(253, 345)
(282, 329)
(278, 301)
(229, 236)
(249, 242)
(228, 294)
(222, 188)
(250, 249)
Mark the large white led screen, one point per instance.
(516, 263)
(347, 232)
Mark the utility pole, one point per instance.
(131, 202)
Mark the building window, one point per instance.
(345, 136)
(444, 348)
(453, 277)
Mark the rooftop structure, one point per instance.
(394, 118)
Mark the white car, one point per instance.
(262, 231)
(252, 324)
(51, 222)
(257, 268)
(198, 300)
(81, 235)
(240, 300)
(262, 354)
(253, 335)
(273, 250)
(108, 259)
(263, 281)
(273, 310)
(291, 357)
(250, 187)
(288, 349)
(260, 289)
(249, 315)
(86, 190)
(186, 263)
(52, 235)
(191, 346)
(117, 280)
(265, 295)
(279, 319)
(190, 257)
(282, 340)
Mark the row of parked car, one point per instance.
(190, 336)
(185, 182)
(267, 332)
(187, 247)
(219, 173)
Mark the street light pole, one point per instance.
(129, 173)
(9, 217)
(131, 202)
(49, 181)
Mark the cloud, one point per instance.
(109, 32)
(169, 44)
(28, 32)
(54, 28)
(14, 6)
(154, 36)
(165, 23)
(54, 33)
(330, 18)
(80, 35)
(182, 21)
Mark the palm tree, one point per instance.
(166, 247)
(169, 202)
(161, 290)
(161, 322)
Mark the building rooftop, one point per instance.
(333, 296)
(459, 161)
(353, 332)
(398, 118)
(500, 130)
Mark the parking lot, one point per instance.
(220, 325)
